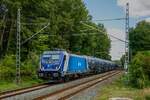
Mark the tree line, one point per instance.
(68, 30)
(65, 31)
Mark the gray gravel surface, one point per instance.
(44, 91)
(92, 92)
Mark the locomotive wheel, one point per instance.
(65, 79)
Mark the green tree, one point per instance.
(96, 42)
(140, 37)
(139, 70)
(66, 30)
(64, 17)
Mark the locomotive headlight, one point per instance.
(57, 67)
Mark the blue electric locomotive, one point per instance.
(51, 64)
(57, 65)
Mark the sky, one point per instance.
(110, 9)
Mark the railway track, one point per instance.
(68, 92)
(13, 93)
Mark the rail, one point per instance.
(65, 93)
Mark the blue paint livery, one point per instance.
(60, 64)
(77, 64)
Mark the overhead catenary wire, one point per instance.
(102, 31)
(35, 34)
(75, 34)
(114, 19)
(83, 30)
(71, 34)
(33, 23)
(113, 37)
(43, 23)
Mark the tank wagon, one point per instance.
(56, 65)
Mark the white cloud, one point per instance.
(117, 47)
(137, 7)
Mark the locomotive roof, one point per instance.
(52, 52)
(89, 57)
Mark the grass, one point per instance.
(119, 89)
(11, 85)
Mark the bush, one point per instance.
(7, 68)
(28, 67)
(147, 97)
(139, 70)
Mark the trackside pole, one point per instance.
(127, 38)
(18, 47)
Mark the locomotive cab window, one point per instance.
(50, 58)
(55, 57)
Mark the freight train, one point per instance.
(60, 65)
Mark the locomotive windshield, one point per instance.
(53, 58)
